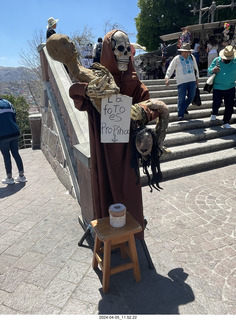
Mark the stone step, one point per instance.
(195, 119)
(171, 97)
(198, 163)
(170, 88)
(202, 162)
(208, 142)
(205, 105)
(160, 82)
(196, 143)
(191, 135)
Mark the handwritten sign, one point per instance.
(115, 119)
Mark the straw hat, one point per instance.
(51, 22)
(185, 47)
(227, 53)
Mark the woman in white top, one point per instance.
(212, 50)
(185, 67)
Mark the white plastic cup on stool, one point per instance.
(117, 214)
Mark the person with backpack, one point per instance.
(97, 51)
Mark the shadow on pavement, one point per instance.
(10, 189)
(154, 294)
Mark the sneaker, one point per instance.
(213, 117)
(227, 126)
(8, 181)
(21, 179)
(186, 111)
(181, 118)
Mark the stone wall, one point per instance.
(52, 148)
(65, 134)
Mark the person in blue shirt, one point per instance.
(224, 83)
(9, 133)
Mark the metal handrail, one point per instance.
(25, 141)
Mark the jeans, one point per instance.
(11, 145)
(196, 55)
(186, 93)
(228, 96)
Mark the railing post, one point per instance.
(35, 126)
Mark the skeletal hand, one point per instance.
(103, 85)
(136, 112)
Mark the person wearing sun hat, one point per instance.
(186, 71)
(52, 24)
(224, 84)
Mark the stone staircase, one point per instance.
(196, 143)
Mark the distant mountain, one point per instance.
(8, 74)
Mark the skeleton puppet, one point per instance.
(100, 81)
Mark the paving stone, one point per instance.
(73, 271)
(3, 295)
(74, 306)
(6, 262)
(24, 297)
(8, 311)
(85, 289)
(12, 279)
(24, 226)
(58, 292)
(29, 261)
(42, 275)
(43, 308)
(45, 244)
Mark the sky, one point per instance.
(21, 19)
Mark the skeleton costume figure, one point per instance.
(113, 178)
(100, 81)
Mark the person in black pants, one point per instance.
(9, 133)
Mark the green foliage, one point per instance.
(159, 17)
(22, 112)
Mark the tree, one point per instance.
(22, 112)
(83, 37)
(30, 59)
(158, 17)
(108, 26)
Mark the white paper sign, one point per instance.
(115, 118)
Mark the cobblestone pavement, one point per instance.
(190, 236)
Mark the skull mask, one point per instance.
(122, 50)
(144, 143)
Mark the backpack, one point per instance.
(98, 50)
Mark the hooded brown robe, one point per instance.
(113, 179)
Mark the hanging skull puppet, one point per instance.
(145, 148)
(122, 49)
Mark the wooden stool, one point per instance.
(111, 237)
